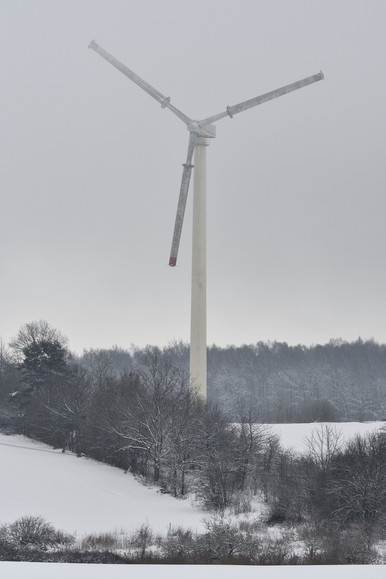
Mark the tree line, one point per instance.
(337, 381)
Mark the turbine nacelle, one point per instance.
(208, 131)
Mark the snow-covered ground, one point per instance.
(79, 495)
(294, 436)
(79, 571)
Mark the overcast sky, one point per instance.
(91, 168)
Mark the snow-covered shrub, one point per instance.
(221, 541)
(252, 526)
(241, 502)
(32, 531)
(327, 543)
(179, 545)
(142, 540)
(101, 541)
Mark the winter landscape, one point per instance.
(254, 441)
(84, 497)
(113, 456)
(90, 497)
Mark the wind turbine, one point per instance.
(199, 133)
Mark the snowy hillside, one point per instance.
(79, 495)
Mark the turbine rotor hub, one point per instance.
(208, 131)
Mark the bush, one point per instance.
(241, 503)
(220, 542)
(277, 516)
(142, 540)
(275, 552)
(75, 556)
(179, 546)
(32, 532)
(101, 541)
(328, 544)
(8, 552)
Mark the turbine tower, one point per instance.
(200, 131)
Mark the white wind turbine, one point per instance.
(199, 133)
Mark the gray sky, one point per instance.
(91, 168)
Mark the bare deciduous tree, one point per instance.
(323, 444)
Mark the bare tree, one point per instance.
(98, 364)
(252, 441)
(323, 444)
(147, 424)
(357, 485)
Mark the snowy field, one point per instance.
(78, 571)
(294, 436)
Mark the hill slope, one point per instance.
(79, 495)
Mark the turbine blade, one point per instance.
(233, 110)
(186, 173)
(162, 99)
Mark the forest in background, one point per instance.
(338, 381)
